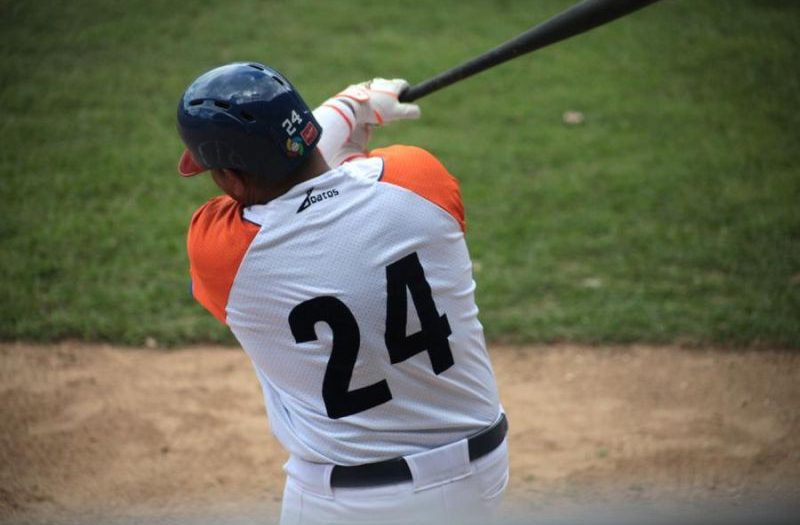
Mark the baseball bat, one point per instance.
(575, 20)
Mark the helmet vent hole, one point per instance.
(247, 116)
(221, 104)
(278, 80)
(256, 66)
(196, 102)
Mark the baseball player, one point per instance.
(345, 276)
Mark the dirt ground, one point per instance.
(94, 432)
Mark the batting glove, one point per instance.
(376, 102)
(348, 118)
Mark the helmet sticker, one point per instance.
(309, 133)
(294, 147)
(289, 124)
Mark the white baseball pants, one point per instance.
(445, 489)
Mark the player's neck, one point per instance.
(314, 167)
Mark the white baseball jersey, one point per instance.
(353, 296)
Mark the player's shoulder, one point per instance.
(217, 223)
(419, 171)
(213, 209)
(402, 160)
(218, 239)
(216, 227)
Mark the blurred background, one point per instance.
(668, 214)
(636, 185)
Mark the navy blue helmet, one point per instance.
(245, 116)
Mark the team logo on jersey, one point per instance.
(294, 147)
(319, 197)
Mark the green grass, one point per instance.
(671, 214)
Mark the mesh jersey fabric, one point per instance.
(334, 237)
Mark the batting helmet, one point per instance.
(245, 116)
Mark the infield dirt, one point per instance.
(97, 433)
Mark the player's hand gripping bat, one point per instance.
(575, 20)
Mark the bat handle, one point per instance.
(407, 95)
(412, 93)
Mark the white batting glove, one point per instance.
(348, 118)
(375, 102)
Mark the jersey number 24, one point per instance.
(402, 275)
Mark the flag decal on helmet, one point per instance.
(309, 133)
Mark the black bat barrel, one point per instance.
(575, 20)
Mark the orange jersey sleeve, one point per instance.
(218, 240)
(417, 170)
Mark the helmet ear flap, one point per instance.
(246, 117)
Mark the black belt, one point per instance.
(396, 470)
